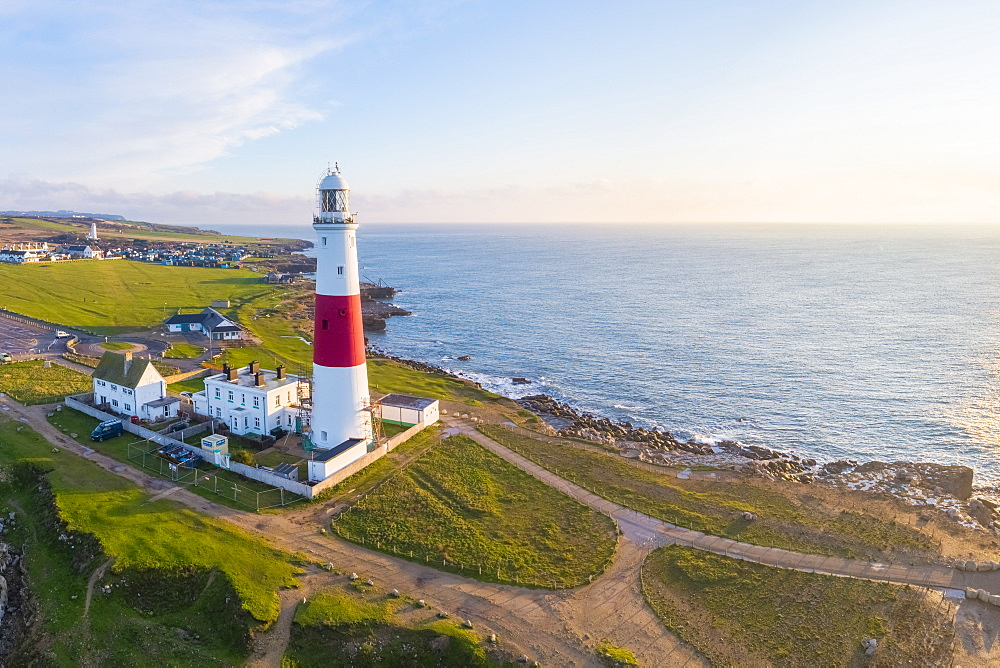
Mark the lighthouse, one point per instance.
(341, 420)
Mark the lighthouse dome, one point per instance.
(333, 181)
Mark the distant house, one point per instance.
(81, 252)
(209, 322)
(132, 387)
(22, 253)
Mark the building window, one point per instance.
(340, 271)
(218, 412)
(127, 407)
(322, 436)
(277, 400)
(243, 399)
(326, 325)
(256, 402)
(218, 393)
(114, 402)
(324, 240)
(246, 422)
(256, 423)
(289, 420)
(230, 395)
(289, 397)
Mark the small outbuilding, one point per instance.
(407, 410)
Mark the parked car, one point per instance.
(61, 334)
(107, 429)
(5, 358)
(179, 426)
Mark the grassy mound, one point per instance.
(462, 508)
(145, 534)
(358, 629)
(183, 351)
(117, 345)
(31, 383)
(739, 614)
(716, 508)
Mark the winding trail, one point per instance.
(554, 627)
(94, 577)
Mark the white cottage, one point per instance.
(250, 399)
(132, 387)
(406, 410)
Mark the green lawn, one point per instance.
(716, 507)
(117, 345)
(738, 613)
(31, 383)
(355, 626)
(145, 534)
(183, 351)
(462, 508)
(221, 486)
(187, 385)
(387, 376)
(120, 295)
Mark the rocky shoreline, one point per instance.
(948, 489)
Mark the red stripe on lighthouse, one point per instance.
(339, 338)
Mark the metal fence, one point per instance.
(213, 480)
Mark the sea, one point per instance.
(826, 341)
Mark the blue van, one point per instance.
(107, 429)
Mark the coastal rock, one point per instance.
(838, 467)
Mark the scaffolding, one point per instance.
(303, 420)
(374, 409)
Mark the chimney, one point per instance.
(231, 373)
(281, 371)
(225, 368)
(255, 367)
(258, 379)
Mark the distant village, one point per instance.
(167, 253)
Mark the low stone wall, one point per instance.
(268, 477)
(177, 377)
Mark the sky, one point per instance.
(669, 111)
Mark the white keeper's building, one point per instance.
(250, 399)
(132, 387)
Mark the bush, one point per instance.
(241, 456)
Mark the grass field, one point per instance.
(141, 533)
(463, 508)
(117, 345)
(234, 490)
(187, 385)
(120, 295)
(738, 613)
(31, 383)
(360, 627)
(183, 351)
(716, 507)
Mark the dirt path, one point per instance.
(269, 647)
(94, 577)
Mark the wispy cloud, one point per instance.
(120, 93)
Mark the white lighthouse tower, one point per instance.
(341, 419)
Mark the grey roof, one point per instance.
(113, 369)
(406, 401)
(327, 455)
(184, 318)
(285, 469)
(165, 401)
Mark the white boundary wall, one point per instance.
(260, 475)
